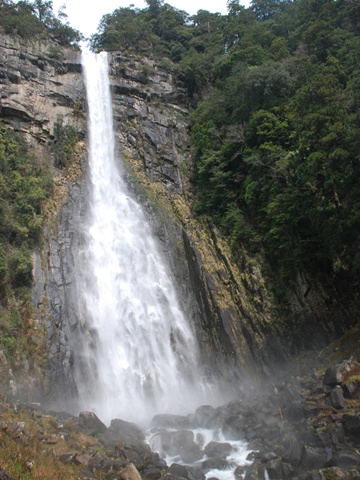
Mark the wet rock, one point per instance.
(333, 375)
(181, 443)
(233, 428)
(291, 450)
(170, 476)
(255, 471)
(332, 434)
(190, 453)
(216, 449)
(275, 469)
(313, 458)
(351, 389)
(239, 472)
(217, 463)
(139, 455)
(151, 473)
(352, 425)
(90, 424)
(346, 458)
(205, 416)
(184, 471)
(126, 432)
(336, 398)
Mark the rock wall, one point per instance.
(41, 82)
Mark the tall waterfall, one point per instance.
(138, 352)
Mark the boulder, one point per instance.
(352, 389)
(130, 472)
(313, 458)
(216, 449)
(336, 398)
(333, 375)
(170, 476)
(181, 443)
(239, 472)
(126, 432)
(151, 473)
(233, 428)
(184, 471)
(216, 463)
(352, 425)
(291, 450)
(346, 458)
(90, 424)
(205, 416)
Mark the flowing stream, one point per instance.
(139, 348)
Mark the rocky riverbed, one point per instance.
(302, 426)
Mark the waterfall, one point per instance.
(137, 355)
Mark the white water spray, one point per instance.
(140, 348)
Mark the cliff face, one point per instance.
(40, 84)
(233, 311)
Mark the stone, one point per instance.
(216, 463)
(233, 428)
(291, 450)
(151, 473)
(184, 471)
(255, 471)
(351, 389)
(67, 457)
(205, 416)
(313, 458)
(333, 375)
(239, 472)
(181, 443)
(346, 458)
(130, 472)
(82, 459)
(274, 469)
(352, 424)
(90, 424)
(216, 449)
(336, 398)
(126, 432)
(170, 476)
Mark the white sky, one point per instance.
(84, 15)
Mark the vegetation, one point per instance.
(275, 140)
(36, 19)
(24, 185)
(66, 137)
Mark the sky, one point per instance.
(84, 15)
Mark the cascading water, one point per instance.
(137, 344)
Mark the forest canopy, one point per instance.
(36, 18)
